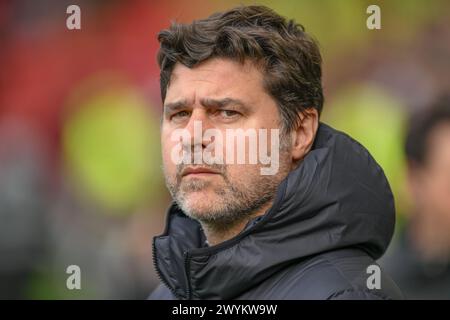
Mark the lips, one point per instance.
(197, 171)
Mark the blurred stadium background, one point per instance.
(80, 178)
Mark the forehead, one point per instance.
(215, 78)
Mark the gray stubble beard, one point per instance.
(237, 201)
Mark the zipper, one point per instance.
(187, 269)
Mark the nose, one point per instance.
(198, 123)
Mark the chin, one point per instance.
(200, 202)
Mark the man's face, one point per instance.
(220, 94)
(431, 191)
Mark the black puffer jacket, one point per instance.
(332, 216)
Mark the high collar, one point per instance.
(337, 197)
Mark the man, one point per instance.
(420, 261)
(311, 228)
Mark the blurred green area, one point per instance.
(111, 142)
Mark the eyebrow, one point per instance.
(208, 103)
(176, 105)
(222, 103)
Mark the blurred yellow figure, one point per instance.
(111, 145)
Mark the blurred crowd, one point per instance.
(80, 165)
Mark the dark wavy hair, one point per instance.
(289, 58)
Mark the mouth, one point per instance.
(198, 171)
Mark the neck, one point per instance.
(218, 233)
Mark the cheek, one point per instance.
(435, 187)
(166, 149)
(442, 195)
(435, 195)
(244, 174)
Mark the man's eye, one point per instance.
(180, 115)
(228, 113)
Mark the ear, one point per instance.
(303, 136)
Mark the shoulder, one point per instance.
(341, 274)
